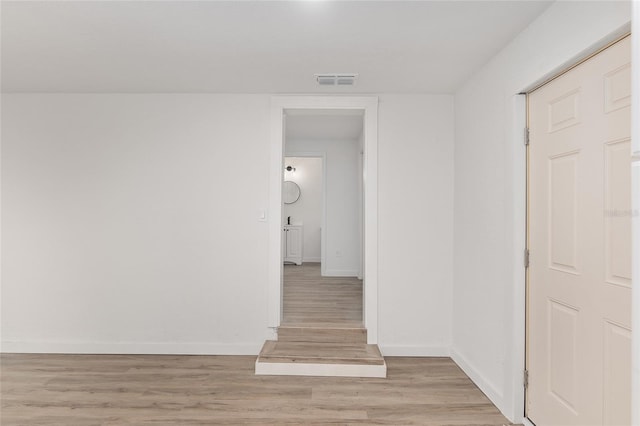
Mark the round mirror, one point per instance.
(290, 192)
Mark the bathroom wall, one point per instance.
(308, 209)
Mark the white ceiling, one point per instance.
(252, 46)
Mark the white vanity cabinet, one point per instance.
(292, 244)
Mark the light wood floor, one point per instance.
(322, 331)
(79, 390)
(310, 299)
(204, 390)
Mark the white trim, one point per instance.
(577, 59)
(324, 370)
(485, 385)
(526, 422)
(369, 104)
(635, 185)
(311, 260)
(275, 266)
(360, 167)
(133, 348)
(340, 273)
(635, 291)
(415, 351)
(517, 107)
(272, 333)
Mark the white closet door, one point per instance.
(579, 288)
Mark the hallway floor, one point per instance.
(312, 300)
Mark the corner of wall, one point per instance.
(483, 382)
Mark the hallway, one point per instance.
(312, 300)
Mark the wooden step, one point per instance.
(320, 359)
(326, 353)
(322, 334)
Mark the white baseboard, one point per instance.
(272, 333)
(418, 351)
(131, 348)
(339, 273)
(311, 259)
(526, 422)
(485, 385)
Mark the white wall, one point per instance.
(342, 237)
(488, 293)
(130, 223)
(415, 223)
(308, 209)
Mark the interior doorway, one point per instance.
(365, 265)
(579, 277)
(322, 282)
(323, 162)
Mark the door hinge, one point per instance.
(526, 136)
(526, 258)
(525, 378)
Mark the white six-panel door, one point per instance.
(579, 287)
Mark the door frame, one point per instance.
(521, 170)
(369, 106)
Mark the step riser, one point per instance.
(294, 359)
(319, 358)
(323, 370)
(322, 335)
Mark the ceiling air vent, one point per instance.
(343, 79)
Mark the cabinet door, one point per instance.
(294, 244)
(285, 252)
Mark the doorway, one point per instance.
(367, 108)
(579, 235)
(323, 163)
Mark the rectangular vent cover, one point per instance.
(343, 79)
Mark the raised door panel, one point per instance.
(294, 242)
(618, 212)
(563, 212)
(616, 374)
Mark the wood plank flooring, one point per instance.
(322, 332)
(111, 390)
(324, 352)
(312, 300)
